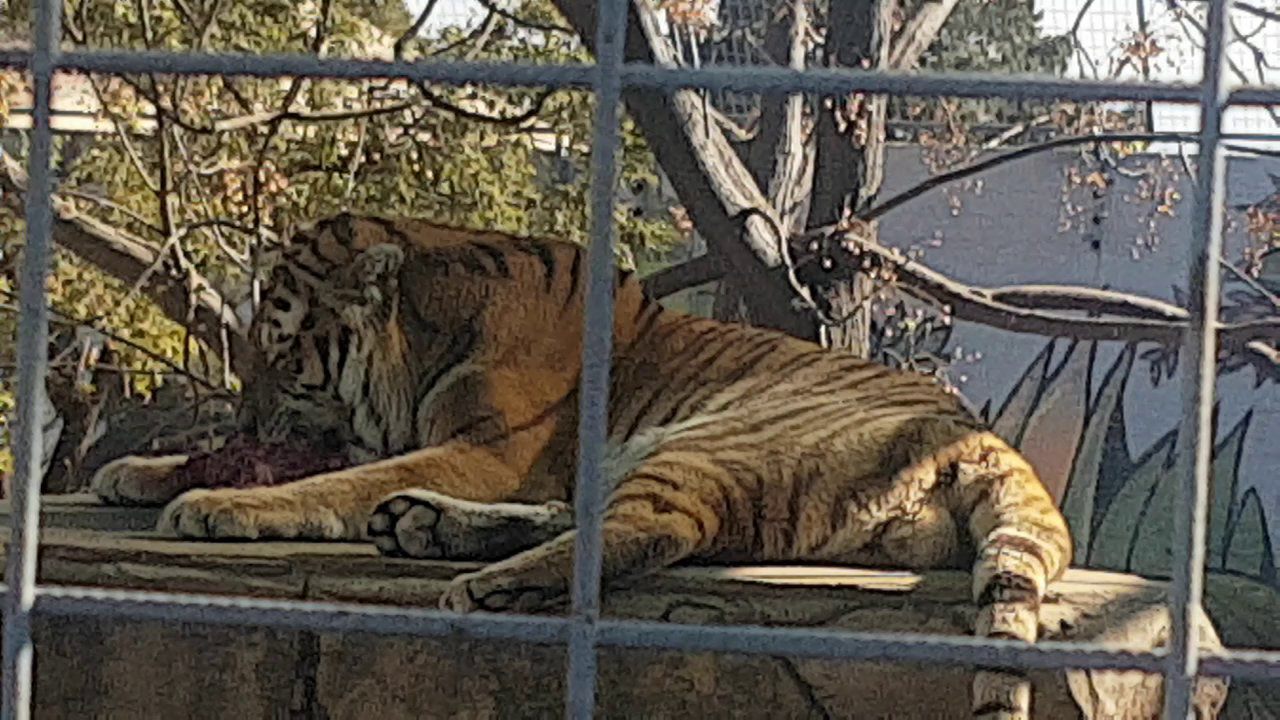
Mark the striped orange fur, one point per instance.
(448, 362)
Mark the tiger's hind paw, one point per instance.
(429, 525)
(1001, 695)
(251, 514)
(496, 591)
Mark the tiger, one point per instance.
(446, 361)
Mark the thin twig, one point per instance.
(112, 206)
(397, 50)
(67, 320)
(152, 184)
(531, 24)
(273, 127)
(316, 116)
(885, 206)
(215, 225)
(519, 118)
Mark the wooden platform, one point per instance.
(115, 668)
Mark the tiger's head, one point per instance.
(326, 295)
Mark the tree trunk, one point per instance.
(780, 158)
(850, 155)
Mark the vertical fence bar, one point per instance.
(33, 332)
(597, 351)
(1199, 353)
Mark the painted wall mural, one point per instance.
(1100, 419)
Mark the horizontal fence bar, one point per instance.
(1242, 664)
(297, 615)
(957, 84)
(73, 601)
(746, 639)
(566, 75)
(15, 59)
(579, 75)
(871, 646)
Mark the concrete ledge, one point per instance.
(132, 669)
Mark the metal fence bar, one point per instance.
(16, 59)
(1199, 349)
(297, 615)
(584, 631)
(597, 355)
(716, 78)
(1242, 664)
(818, 643)
(33, 348)
(814, 643)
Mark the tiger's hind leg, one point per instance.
(663, 511)
(1022, 543)
(427, 524)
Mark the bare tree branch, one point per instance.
(1036, 309)
(851, 132)
(919, 33)
(1085, 299)
(849, 157)
(1265, 351)
(316, 116)
(793, 160)
(884, 207)
(1252, 9)
(68, 320)
(713, 183)
(709, 177)
(691, 273)
(1027, 309)
(126, 257)
(111, 205)
(532, 25)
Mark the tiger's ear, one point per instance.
(370, 284)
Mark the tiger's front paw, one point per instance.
(242, 515)
(137, 480)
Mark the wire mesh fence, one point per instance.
(583, 630)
